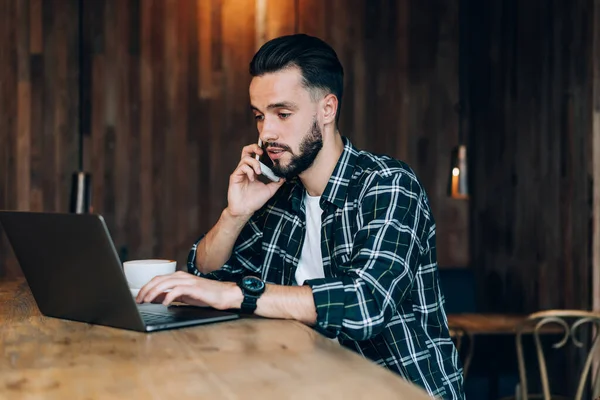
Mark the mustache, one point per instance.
(276, 145)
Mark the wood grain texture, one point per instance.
(165, 105)
(126, 159)
(496, 324)
(24, 145)
(58, 359)
(595, 68)
(22, 24)
(159, 127)
(311, 17)
(204, 25)
(146, 112)
(35, 25)
(434, 123)
(281, 18)
(133, 227)
(8, 112)
(196, 203)
(595, 65)
(183, 198)
(39, 110)
(530, 136)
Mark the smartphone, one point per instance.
(267, 175)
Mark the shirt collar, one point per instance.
(337, 187)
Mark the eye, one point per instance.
(259, 117)
(284, 115)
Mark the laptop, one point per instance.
(72, 267)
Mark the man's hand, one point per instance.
(190, 289)
(246, 193)
(286, 302)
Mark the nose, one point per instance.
(269, 131)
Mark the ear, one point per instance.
(330, 105)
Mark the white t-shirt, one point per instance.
(310, 265)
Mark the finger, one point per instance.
(154, 295)
(251, 150)
(252, 162)
(163, 286)
(160, 298)
(173, 295)
(150, 285)
(248, 171)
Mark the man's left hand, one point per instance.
(190, 289)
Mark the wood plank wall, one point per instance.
(595, 68)
(531, 153)
(38, 107)
(595, 65)
(165, 104)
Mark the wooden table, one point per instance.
(487, 324)
(495, 324)
(243, 359)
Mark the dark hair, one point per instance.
(320, 67)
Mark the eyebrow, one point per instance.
(283, 104)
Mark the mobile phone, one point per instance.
(267, 175)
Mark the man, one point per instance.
(345, 241)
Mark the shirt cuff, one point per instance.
(328, 294)
(191, 260)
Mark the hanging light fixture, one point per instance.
(458, 180)
(458, 187)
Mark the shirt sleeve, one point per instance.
(394, 218)
(245, 259)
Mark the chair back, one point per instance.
(569, 323)
(463, 340)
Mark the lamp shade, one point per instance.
(458, 180)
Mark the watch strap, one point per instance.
(249, 303)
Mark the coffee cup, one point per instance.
(140, 272)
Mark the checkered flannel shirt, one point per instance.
(380, 295)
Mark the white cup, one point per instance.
(140, 272)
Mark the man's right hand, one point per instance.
(246, 193)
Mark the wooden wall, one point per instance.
(38, 107)
(531, 88)
(165, 104)
(595, 65)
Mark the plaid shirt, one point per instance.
(381, 295)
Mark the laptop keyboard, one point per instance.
(156, 318)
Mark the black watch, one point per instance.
(252, 287)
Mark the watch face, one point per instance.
(253, 284)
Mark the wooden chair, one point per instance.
(460, 335)
(569, 324)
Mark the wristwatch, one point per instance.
(252, 287)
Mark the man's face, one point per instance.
(287, 121)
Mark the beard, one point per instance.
(310, 147)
